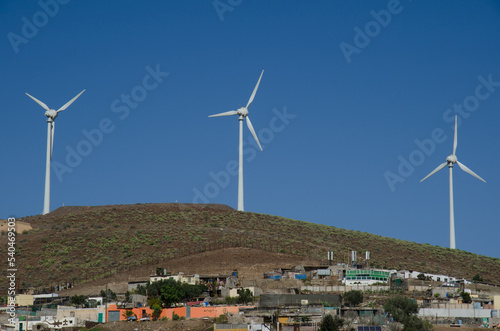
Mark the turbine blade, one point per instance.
(470, 172)
(441, 166)
(254, 90)
(250, 127)
(52, 138)
(70, 102)
(228, 113)
(44, 106)
(455, 139)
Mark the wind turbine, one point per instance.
(51, 115)
(450, 161)
(243, 113)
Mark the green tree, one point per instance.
(222, 319)
(111, 296)
(128, 313)
(157, 310)
(413, 323)
(400, 307)
(192, 291)
(353, 298)
(154, 301)
(477, 278)
(329, 323)
(79, 300)
(245, 296)
(466, 297)
(128, 296)
(170, 293)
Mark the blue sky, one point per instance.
(355, 107)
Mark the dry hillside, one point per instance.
(83, 244)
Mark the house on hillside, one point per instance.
(81, 314)
(414, 275)
(40, 323)
(181, 277)
(233, 292)
(216, 283)
(366, 276)
(132, 286)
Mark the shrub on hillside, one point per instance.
(352, 298)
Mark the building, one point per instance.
(366, 276)
(181, 277)
(81, 314)
(41, 323)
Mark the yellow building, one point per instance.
(24, 300)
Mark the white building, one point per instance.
(39, 323)
(189, 279)
(434, 277)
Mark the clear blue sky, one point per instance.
(348, 88)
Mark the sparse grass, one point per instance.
(92, 242)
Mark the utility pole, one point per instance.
(106, 307)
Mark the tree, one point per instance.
(128, 313)
(466, 297)
(400, 307)
(79, 300)
(477, 278)
(245, 296)
(157, 310)
(413, 323)
(353, 298)
(111, 296)
(170, 294)
(403, 310)
(329, 323)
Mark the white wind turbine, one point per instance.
(450, 161)
(51, 116)
(242, 113)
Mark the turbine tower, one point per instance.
(243, 113)
(51, 115)
(450, 161)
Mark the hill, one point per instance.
(82, 244)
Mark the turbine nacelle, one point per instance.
(51, 114)
(452, 159)
(243, 111)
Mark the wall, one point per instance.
(84, 314)
(24, 300)
(234, 291)
(474, 313)
(276, 300)
(194, 312)
(200, 312)
(230, 327)
(344, 288)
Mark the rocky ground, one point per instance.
(191, 325)
(249, 263)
